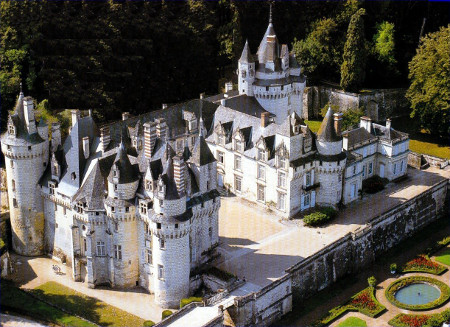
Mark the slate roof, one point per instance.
(326, 132)
(128, 173)
(201, 154)
(246, 56)
(388, 134)
(93, 189)
(267, 50)
(358, 135)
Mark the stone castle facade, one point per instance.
(136, 202)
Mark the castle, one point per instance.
(136, 202)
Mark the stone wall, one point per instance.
(378, 104)
(348, 255)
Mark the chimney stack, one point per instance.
(202, 95)
(161, 127)
(125, 115)
(75, 116)
(338, 122)
(105, 137)
(164, 105)
(90, 112)
(388, 123)
(265, 119)
(366, 123)
(86, 147)
(228, 87)
(149, 139)
(178, 173)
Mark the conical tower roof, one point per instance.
(127, 173)
(246, 56)
(269, 48)
(326, 132)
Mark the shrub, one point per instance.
(395, 286)
(372, 281)
(148, 323)
(166, 313)
(330, 212)
(315, 219)
(373, 184)
(415, 320)
(393, 267)
(184, 302)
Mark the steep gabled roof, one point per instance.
(326, 132)
(93, 189)
(201, 154)
(128, 173)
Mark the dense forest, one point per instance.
(115, 56)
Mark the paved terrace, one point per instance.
(256, 245)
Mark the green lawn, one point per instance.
(444, 257)
(313, 125)
(17, 301)
(353, 322)
(430, 148)
(84, 306)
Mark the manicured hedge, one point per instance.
(148, 323)
(184, 302)
(166, 313)
(423, 264)
(364, 302)
(395, 286)
(373, 184)
(320, 217)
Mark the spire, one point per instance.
(246, 56)
(21, 91)
(270, 14)
(326, 132)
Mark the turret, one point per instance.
(246, 71)
(26, 151)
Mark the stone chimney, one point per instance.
(388, 123)
(125, 115)
(366, 122)
(228, 87)
(338, 122)
(222, 102)
(56, 136)
(161, 127)
(178, 173)
(86, 147)
(75, 116)
(149, 138)
(164, 106)
(105, 137)
(265, 119)
(90, 112)
(202, 95)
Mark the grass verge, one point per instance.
(444, 257)
(353, 322)
(85, 306)
(14, 300)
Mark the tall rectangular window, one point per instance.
(261, 196)
(364, 171)
(261, 154)
(395, 168)
(370, 168)
(13, 183)
(306, 200)
(281, 179)
(118, 252)
(160, 271)
(237, 162)
(143, 207)
(308, 179)
(101, 251)
(261, 172)
(14, 203)
(162, 243)
(281, 162)
(238, 183)
(281, 201)
(148, 256)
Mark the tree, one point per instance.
(372, 281)
(384, 43)
(319, 52)
(429, 92)
(354, 58)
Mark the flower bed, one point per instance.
(364, 302)
(409, 320)
(423, 264)
(395, 286)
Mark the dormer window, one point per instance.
(239, 146)
(115, 173)
(261, 154)
(143, 207)
(11, 129)
(51, 188)
(192, 125)
(80, 207)
(221, 139)
(281, 162)
(148, 185)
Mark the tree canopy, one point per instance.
(353, 68)
(429, 92)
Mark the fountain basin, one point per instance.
(420, 293)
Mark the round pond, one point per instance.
(417, 294)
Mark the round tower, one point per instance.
(246, 71)
(123, 181)
(330, 162)
(26, 157)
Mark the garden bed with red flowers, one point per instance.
(423, 264)
(409, 320)
(364, 302)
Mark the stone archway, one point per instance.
(372, 110)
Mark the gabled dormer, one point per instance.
(12, 130)
(282, 156)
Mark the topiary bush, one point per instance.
(315, 219)
(148, 323)
(166, 313)
(372, 281)
(184, 302)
